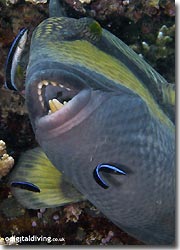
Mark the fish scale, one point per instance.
(129, 208)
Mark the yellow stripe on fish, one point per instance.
(85, 54)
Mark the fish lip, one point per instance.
(59, 74)
(88, 98)
(66, 117)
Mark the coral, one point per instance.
(15, 128)
(85, 1)
(2, 241)
(36, 1)
(93, 237)
(6, 161)
(108, 8)
(8, 241)
(159, 50)
(2, 147)
(107, 238)
(168, 6)
(135, 10)
(56, 217)
(87, 229)
(12, 2)
(72, 212)
(8, 2)
(164, 37)
(153, 3)
(11, 102)
(11, 241)
(81, 234)
(11, 208)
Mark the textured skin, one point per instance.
(126, 127)
(142, 202)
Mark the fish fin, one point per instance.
(168, 91)
(34, 167)
(169, 99)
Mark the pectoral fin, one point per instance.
(168, 91)
(169, 99)
(34, 167)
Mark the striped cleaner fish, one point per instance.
(13, 59)
(103, 117)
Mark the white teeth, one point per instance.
(53, 83)
(55, 105)
(40, 98)
(40, 85)
(68, 89)
(39, 91)
(45, 83)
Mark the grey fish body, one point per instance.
(134, 202)
(115, 115)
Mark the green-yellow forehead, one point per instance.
(59, 28)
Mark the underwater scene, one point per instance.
(87, 122)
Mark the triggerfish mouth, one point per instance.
(103, 117)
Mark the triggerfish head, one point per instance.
(95, 105)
